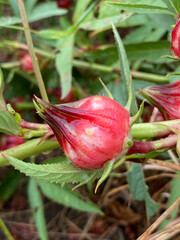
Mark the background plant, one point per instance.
(75, 47)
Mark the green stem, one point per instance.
(93, 66)
(30, 148)
(27, 134)
(139, 131)
(153, 130)
(5, 230)
(10, 64)
(149, 77)
(31, 50)
(135, 74)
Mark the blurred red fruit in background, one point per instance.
(63, 3)
(9, 141)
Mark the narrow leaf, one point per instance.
(29, 5)
(14, 7)
(8, 123)
(46, 10)
(5, 21)
(64, 65)
(176, 5)
(58, 173)
(125, 72)
(64, 195)
(139, 189)
(96, 24)
(80, 8)
(37, 208)
(142, 6)
(106, 172)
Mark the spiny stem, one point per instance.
(31, 50)
(5, 230)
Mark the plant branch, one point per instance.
(139, 131)
(30, 148)
(154, 130)
(31, 50)
(86, 65)
(150, 146)
(135, 74)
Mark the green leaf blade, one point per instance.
(139, 189)
(37, 208)
(64, 195)
(8, 123)
(64, 64)
(54, 173)
(143, 6)
(46, 10)
(125, 72)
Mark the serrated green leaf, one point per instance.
(46, 10)
(125, 73)
(139, 189)
(58, 173)
(64, 195)
(8, 123)
(142, 6)
(37, 208)
(64, 65)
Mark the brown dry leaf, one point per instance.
(122, 214)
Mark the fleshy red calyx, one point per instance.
(166, 98)
(175, 39)
(91, 131)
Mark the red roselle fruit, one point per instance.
(166, 98)
(63, 3)
(175, 39)
(9, 141)
(91, 131)
(26, 62)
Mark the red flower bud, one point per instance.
(91, 131)
(9, 141)
(175, 39)
(166, 98)
(63, 3)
